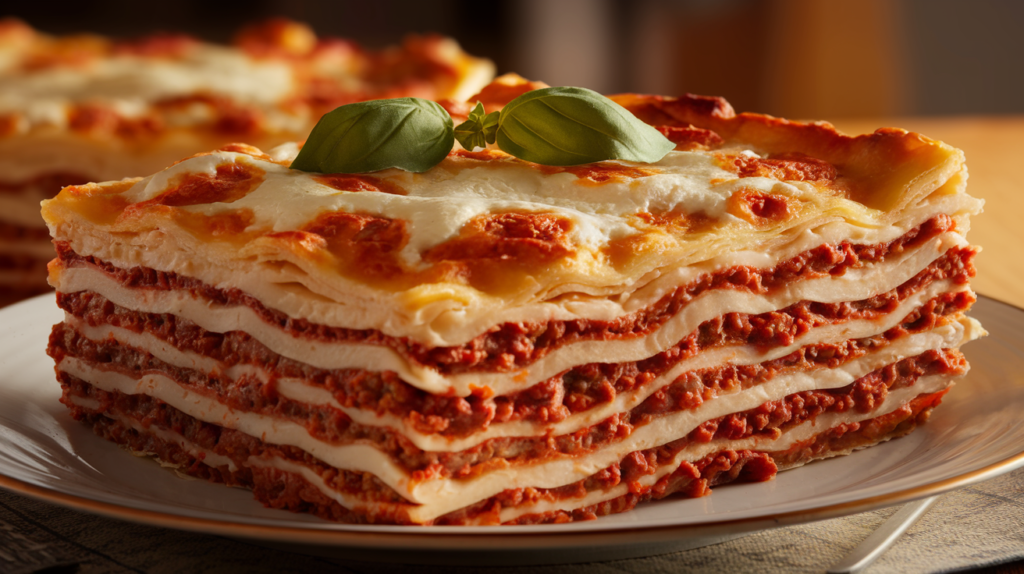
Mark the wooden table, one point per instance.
(995, 160)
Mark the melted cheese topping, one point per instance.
(439, 254)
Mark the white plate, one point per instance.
(977, 433)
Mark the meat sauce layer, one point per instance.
(513, 346)
(696, 479)
(290, 491)
(768, 420)
(573, 391)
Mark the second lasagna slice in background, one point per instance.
(81, 108)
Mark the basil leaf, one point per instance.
(479, 130)
(408, 133)
(571, 126)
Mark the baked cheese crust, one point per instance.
(484, 238)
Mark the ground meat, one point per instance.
(769, 419)
(274, 488)
(233, 444)
(573, 391)
(290, 491)
(511, 346)
(730, 466)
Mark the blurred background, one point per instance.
(822, 59)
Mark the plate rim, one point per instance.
(505, 538)
(508, 538)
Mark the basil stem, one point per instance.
(479, 130)
(408, 133)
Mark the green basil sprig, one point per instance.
(550, 126)
(565, 126)
(408, 133)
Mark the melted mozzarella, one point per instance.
(439, 202)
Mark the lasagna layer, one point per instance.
(513, 346)
(799, 425)
(249, 393)
(312, 346)
(491, 465)
(300, 274)
(363, 398)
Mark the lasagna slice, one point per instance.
(500, 342)
(84, 108)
